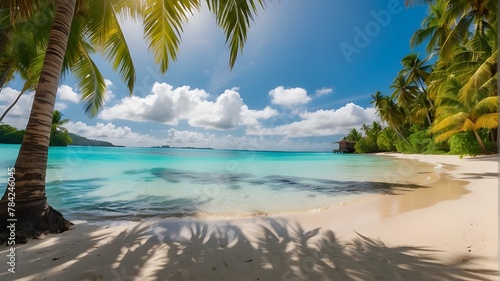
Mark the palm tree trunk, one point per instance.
(428, 118)
(33, 214)
(431, 104)
(11, 106)
(481, 144)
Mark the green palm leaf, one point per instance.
(91, 84)
(455, 37)
(446, 135)
(487, 121)
(483, 73)
(163, 26)
(454, 121)
(103, 29)
(234, 17)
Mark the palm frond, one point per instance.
(163, 24)
(91, 84)
(234, 17)
(483, 73)
(486, 105)
(487, 121)
(455, 37)
(446, 135)
(104, 30)
(422, 35)
(452, 121)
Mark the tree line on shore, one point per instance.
(59, 136)
(446, 102)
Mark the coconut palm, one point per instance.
(59, 135)
(23, 52)
(377, 99)
(354, 135)
(478, 15)
(455, 116)
(163, 22)
(404, 92)
(393, 115)
(386, 139)
(435, 28)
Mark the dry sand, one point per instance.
(442, 225)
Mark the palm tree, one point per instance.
(354, 135)
(455, 116)
(162, 24)
(377, 100)
(365, 128)
(435, 28)
(419, 110)
(404, 92)
(478, 15)
(386, 139)
(417, 72)
(23, 52)
(393, 115)
(57, 120)
(58, 135)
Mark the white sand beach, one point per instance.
(442, 226)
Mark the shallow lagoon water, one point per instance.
(93, 183)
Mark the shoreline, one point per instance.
(438, 233)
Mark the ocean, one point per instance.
(94, 183)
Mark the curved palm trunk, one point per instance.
(481, 144)
(431, 104)
(33, 214)
(11, 106)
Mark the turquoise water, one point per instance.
(98, 182)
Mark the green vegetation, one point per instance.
(448, 101)
(59, 136)
(79, 140)
(10, 135)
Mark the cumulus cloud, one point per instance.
(66, 93)
(110, 132)
(323, 92)
(289, 97)
(60, 106)
(177, 136)
(322, 122)
(169, 105)
(197, 139)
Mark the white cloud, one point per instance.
(289, 97)
(18, 116)
(196, 139)
(66, 93)
(112, 133)
(109, 96)
(322, 122)
(168, 105)
(60, 106)
(323, 91)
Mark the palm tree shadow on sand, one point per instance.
(251, 249)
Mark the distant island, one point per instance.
(11, 135)
(83, 141)
(183, 147)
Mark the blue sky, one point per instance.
(302, 82)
